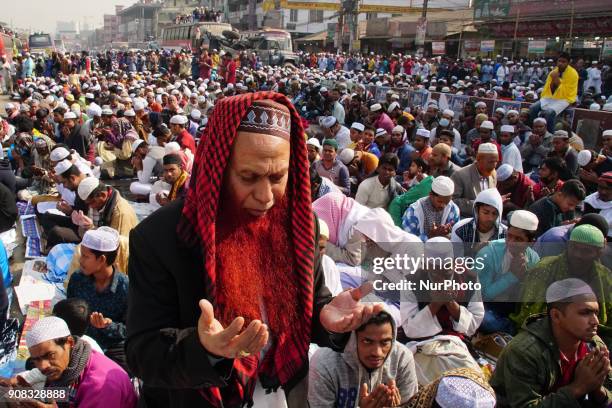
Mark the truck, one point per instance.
(273, 46)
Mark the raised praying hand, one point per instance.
(232, 341)
(346, 313)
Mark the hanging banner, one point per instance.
(421, 30)
(536, 47)
(487, 45)
(607, 48)
(471, 45)
(438, 47)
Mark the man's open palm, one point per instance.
(230, 342)
(346, 313)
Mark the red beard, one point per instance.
(255, 268)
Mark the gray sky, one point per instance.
(41, 15)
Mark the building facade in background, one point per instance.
(576, 26)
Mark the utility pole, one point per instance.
(252, 7)
(571, 30)
(421, 30)
(353, 20)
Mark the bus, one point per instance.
(40, 43)
(188, 36)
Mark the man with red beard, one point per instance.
(227, 291)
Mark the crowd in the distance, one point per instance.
(199, 14)
(517, 188)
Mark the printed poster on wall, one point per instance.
(487, 45)
(438, 47)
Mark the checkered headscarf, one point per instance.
(288, 355)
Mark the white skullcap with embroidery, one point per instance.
(47, 328)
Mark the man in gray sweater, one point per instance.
(373, 371)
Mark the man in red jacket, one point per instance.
(230, 69)
(180, 134)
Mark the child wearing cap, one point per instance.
(105, 289)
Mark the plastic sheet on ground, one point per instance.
(142, 210)
(36, 311)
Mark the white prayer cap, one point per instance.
(376, 107)
(313, 141)
(524, 219)
(540, 120)
(62, 167)
(69, 115)
(196, 114)
(380, 132)
(504, 171)
(487, 124)
(566, 289)
(393, 106)
(448, 112)
(86, 186)
(486, 148)
(446, 89)
(129, 113)
(107, 111)
(94, 110)
(358, 126)
(439, 247)
(59, 153)
(395, 97)
(398, 129)
(104, 239)
(9, 106)
(89, 95)
(560, 134)
(138, 142)
(201, 99)
(443, 186)
(461, 392)
(607, 133)
(138, 105)
(328, 121)
(178, 120)
(607, 107)
(423, 133)
(323, 228)
(346, 155)
(594, 106)
(500, 110)
(47, 328)
(507, 129)
(172, 147)
(480, 104)
(584, 157)
(323, 89)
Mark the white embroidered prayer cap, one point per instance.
(104, 239)
(47, 328)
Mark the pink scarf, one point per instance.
(333, 208)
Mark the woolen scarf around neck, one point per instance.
(79, 356)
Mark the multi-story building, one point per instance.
(138, 23)
(67, 32)
(111, 27)
(544, 27)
